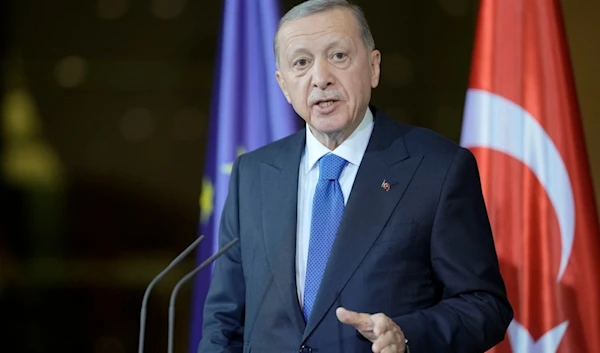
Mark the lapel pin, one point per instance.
(385, 185)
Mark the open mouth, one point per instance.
(325, 104)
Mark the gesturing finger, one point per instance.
(381, 324)
(389, 338)
(392, 349)
(360, 321)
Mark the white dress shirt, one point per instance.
(352, 150)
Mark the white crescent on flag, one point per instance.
(494, 122)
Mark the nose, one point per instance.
(322, 76)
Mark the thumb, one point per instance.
(360, 321)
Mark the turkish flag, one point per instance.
(522, 123)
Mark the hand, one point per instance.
(387, 337)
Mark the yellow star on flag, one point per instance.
(226, 168)
(206, 200)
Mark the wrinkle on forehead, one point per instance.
(299, 34)
(338, 22)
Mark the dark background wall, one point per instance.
(105, 116)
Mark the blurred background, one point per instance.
(105, 107)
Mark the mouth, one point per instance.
(325, 103)
(326, 107)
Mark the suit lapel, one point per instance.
(367, 211)
(279, 217)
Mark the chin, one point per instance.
(328, 127)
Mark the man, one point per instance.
(357, 234)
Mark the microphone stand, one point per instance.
(151, 285)
(185, 279)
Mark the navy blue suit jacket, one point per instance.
(422, 253)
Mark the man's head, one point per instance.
(327, 65)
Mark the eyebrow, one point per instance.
(297, 51)
(335, 43)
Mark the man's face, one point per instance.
(325, 71)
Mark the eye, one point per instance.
(339, 56)
(300, 63)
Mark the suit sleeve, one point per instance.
(223, 319)
(474, 312)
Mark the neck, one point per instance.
(331, 140)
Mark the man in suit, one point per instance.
(357, 233)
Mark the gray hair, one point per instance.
(311, 7)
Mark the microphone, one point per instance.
(185, 279)
(151, 285)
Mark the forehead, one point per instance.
(334, 24)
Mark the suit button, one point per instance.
(306, 349)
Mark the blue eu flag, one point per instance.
(248, 111)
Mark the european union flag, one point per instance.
(248, 111)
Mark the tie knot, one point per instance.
(331, 166)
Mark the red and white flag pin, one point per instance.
(385, 185)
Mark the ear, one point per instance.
(281, 83)
(375, 67)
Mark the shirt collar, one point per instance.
(352, 149)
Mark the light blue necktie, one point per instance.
(328, 208)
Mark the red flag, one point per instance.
(522, 122)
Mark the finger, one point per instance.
(389, 338)
(360, 321)
(381, 324)
(391, 349)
